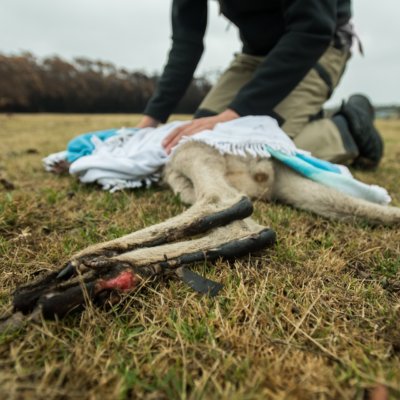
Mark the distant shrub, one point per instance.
(30, 84)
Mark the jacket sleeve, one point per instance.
(310, 27)
(189, 21)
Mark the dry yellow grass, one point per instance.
(316, 317)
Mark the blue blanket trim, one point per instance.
(318, 163)
(331, 176)
(304, 165)
(82, 145)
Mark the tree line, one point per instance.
(52, 84)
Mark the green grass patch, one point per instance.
(317, 316)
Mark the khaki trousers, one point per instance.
(301, 111)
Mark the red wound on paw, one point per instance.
(124, 282)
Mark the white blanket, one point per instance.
(134, 157)
(130, 160)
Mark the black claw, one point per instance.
(66, 272)
(199, 283)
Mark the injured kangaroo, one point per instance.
(218, 224)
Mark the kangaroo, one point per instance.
(219, 189)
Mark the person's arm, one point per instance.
(310, 27)
(189, 21)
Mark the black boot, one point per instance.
(359, 114)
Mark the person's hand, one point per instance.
(196, 126)
(147, 122)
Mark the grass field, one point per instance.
(316, 317)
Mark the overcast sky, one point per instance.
(136, 34)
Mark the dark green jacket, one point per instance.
(293, 34)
